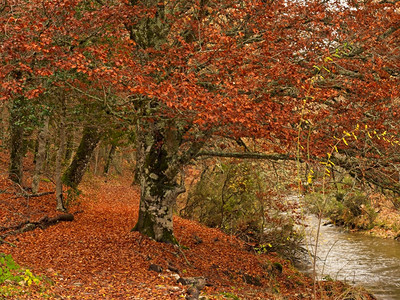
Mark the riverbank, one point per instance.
(368, 213)
(387, 221)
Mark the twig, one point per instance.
(26, 195)
(184, 256)
(2, 241)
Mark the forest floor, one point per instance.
(96, 256)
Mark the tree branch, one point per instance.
(275, 157)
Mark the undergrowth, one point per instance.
(244, 200)
(15, 280)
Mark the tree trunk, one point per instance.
(160, 157)
(109, 159)
(74, 174)
(17, 147)
(40, 154)
(69, 144)
(155, 212)
(96, 160)
(159, 188)
(59, 159)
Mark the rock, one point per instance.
(174, 288)
(175, 276)
(278, 267)
(172, 268)
(156, 268)
(79, 284)
(249, 279)
(192, 293)
(197, 282)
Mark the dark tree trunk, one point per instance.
(109, 159)
(59, 158)
(17, 144)
(74, 174)
(69, 144)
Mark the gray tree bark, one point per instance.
(161, 155)
(159, 187)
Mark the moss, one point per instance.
(169, 238)
(74, 174)
(145, 226)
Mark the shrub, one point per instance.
(344, 205)
(237, 198)
(12, 276)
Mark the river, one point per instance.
(356, 259)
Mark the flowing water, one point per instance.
(357, 259)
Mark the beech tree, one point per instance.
(283, 73)
(255, 69)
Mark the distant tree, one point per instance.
(52, 48)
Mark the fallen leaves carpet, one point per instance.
(96, 256)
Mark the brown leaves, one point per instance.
(97, 256)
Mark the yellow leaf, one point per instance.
(346, 133)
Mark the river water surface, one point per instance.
(357, 259)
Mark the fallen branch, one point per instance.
(247, 155)
(8, 243)
(43, 223)
(27, 195)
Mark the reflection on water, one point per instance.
(357, 259)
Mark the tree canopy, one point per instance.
(283, 73)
